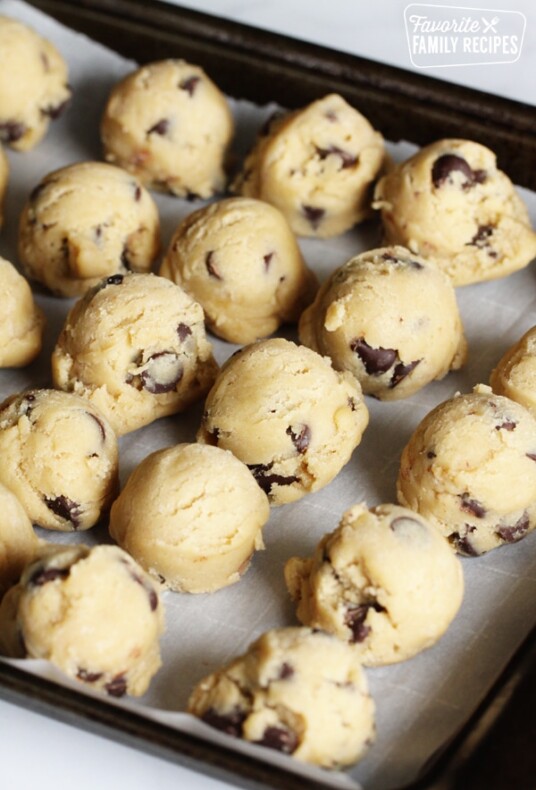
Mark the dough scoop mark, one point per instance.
(447, 164)
(65, 508)
(183, 331)
(160, 127)
(163, 372)
(347, 159)
(280, 739)
(403, 522)
(267, 260)
(314, 215)
(261, 473)
(300, 439)
(11, 131)
(88, 677)
(230, 723)
(471, 505)
(355, 620)
(190, 84)
(376, 360)
(515, 532)
(117, 687)
(54, 112)
(99, 423)
(401, 371)
(44, 575)
(211, 269)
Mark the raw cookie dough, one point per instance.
(239, 259)
(4, 175)
(470, 470)
(284, 411)
(92, 612)
(85, 222)
(23, 322)
(384, 580)
(135, 346)
(59, 457)
(316, 165)
(391, 319)
(192, 516)
(515, 374)
(295, 690)
(170, 125)
(18, 541)
(451, 203)
(33, 85)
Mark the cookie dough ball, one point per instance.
(18, 541)
(135, 346)
(470, 470)
(92, 612)
(192, 516)
(295, 690)
(4, 175)
(451, 203)
(33, 85)
(316, 165)
(284, 411)
(391, 319)
(85, 222)
(239, 259)
(515, 374)
(170, 125)
(59, 457)
(384, 580)
(23, 322)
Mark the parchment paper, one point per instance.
(420, 703)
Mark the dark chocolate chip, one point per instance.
(65, 508)
(160, 127)
(211, 269)
(482, 236)
(44, 575)
(137, 192)
(375, 360)
(314, 215)
(88, 677)
(401, 371)
(300, 438)
(100, 423)
(117, 687)
(230, 723)
(463, 545)
(261, 473)
(479, 176)
(286, 671)
(190, 84)
(347, 159)
(507, 425)
(149, 376)
(54, 112)
(352, 403)
(355, 620)
(151, 592)
(280, 739)
(11, 131)
(183, 331)
(114, 279)
(431, 454)
(515, 532)
(532, 456)
(267, 260)
(213, 436)
(471, 505)
(192, 196)
(447, 164)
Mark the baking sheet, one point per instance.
(421, 702)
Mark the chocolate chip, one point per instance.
(331, 115)
(286, 671)
(192, 196)
(375, 360)
(211, 269)
(11, 131)
(267, 260)
(447, 164)
(98, 232)
(151, 592)
(300, 438)
(471, 505)
(44, 575)
(314, 215)
(125, 258)
(431, 454)
(190, 84)
(137, 192)
(355, 620)
(160, 127)
(117, 687)
(213, 436)
(183, 331)
(114, 279)
(352, 403)
(163, 372)
(99, 423)
(280, 739)
(230, 723)
(65, 508)
(45, 61)
(515, 532)
(88, 677)
(462, 544)
(507, 425)
(54, 112)
(347, 159)
(482, 236)
(532, 456)
(401, 371)
(261, 473)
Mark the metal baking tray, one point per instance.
(494, 749)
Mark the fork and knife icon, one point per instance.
(490, 26)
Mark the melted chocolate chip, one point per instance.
(114, 279)
(300, 439)
(515, 532)
(211, 269)
(190, 84)
(261, 473)
(471, 505)
(183, 331)
(267, 260)
(117, 687)
(280, 739)
(88, 677)
(54, 112)
(347, 159)
(314, 215)
(160, 127)
(230, 723)
(44, 575)
(65, 508)
(375, 360)
(158, 378)
(447, 164)
(11, 131)
(355, 620)
(286, 671)
(401, 371)
(99, 423)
